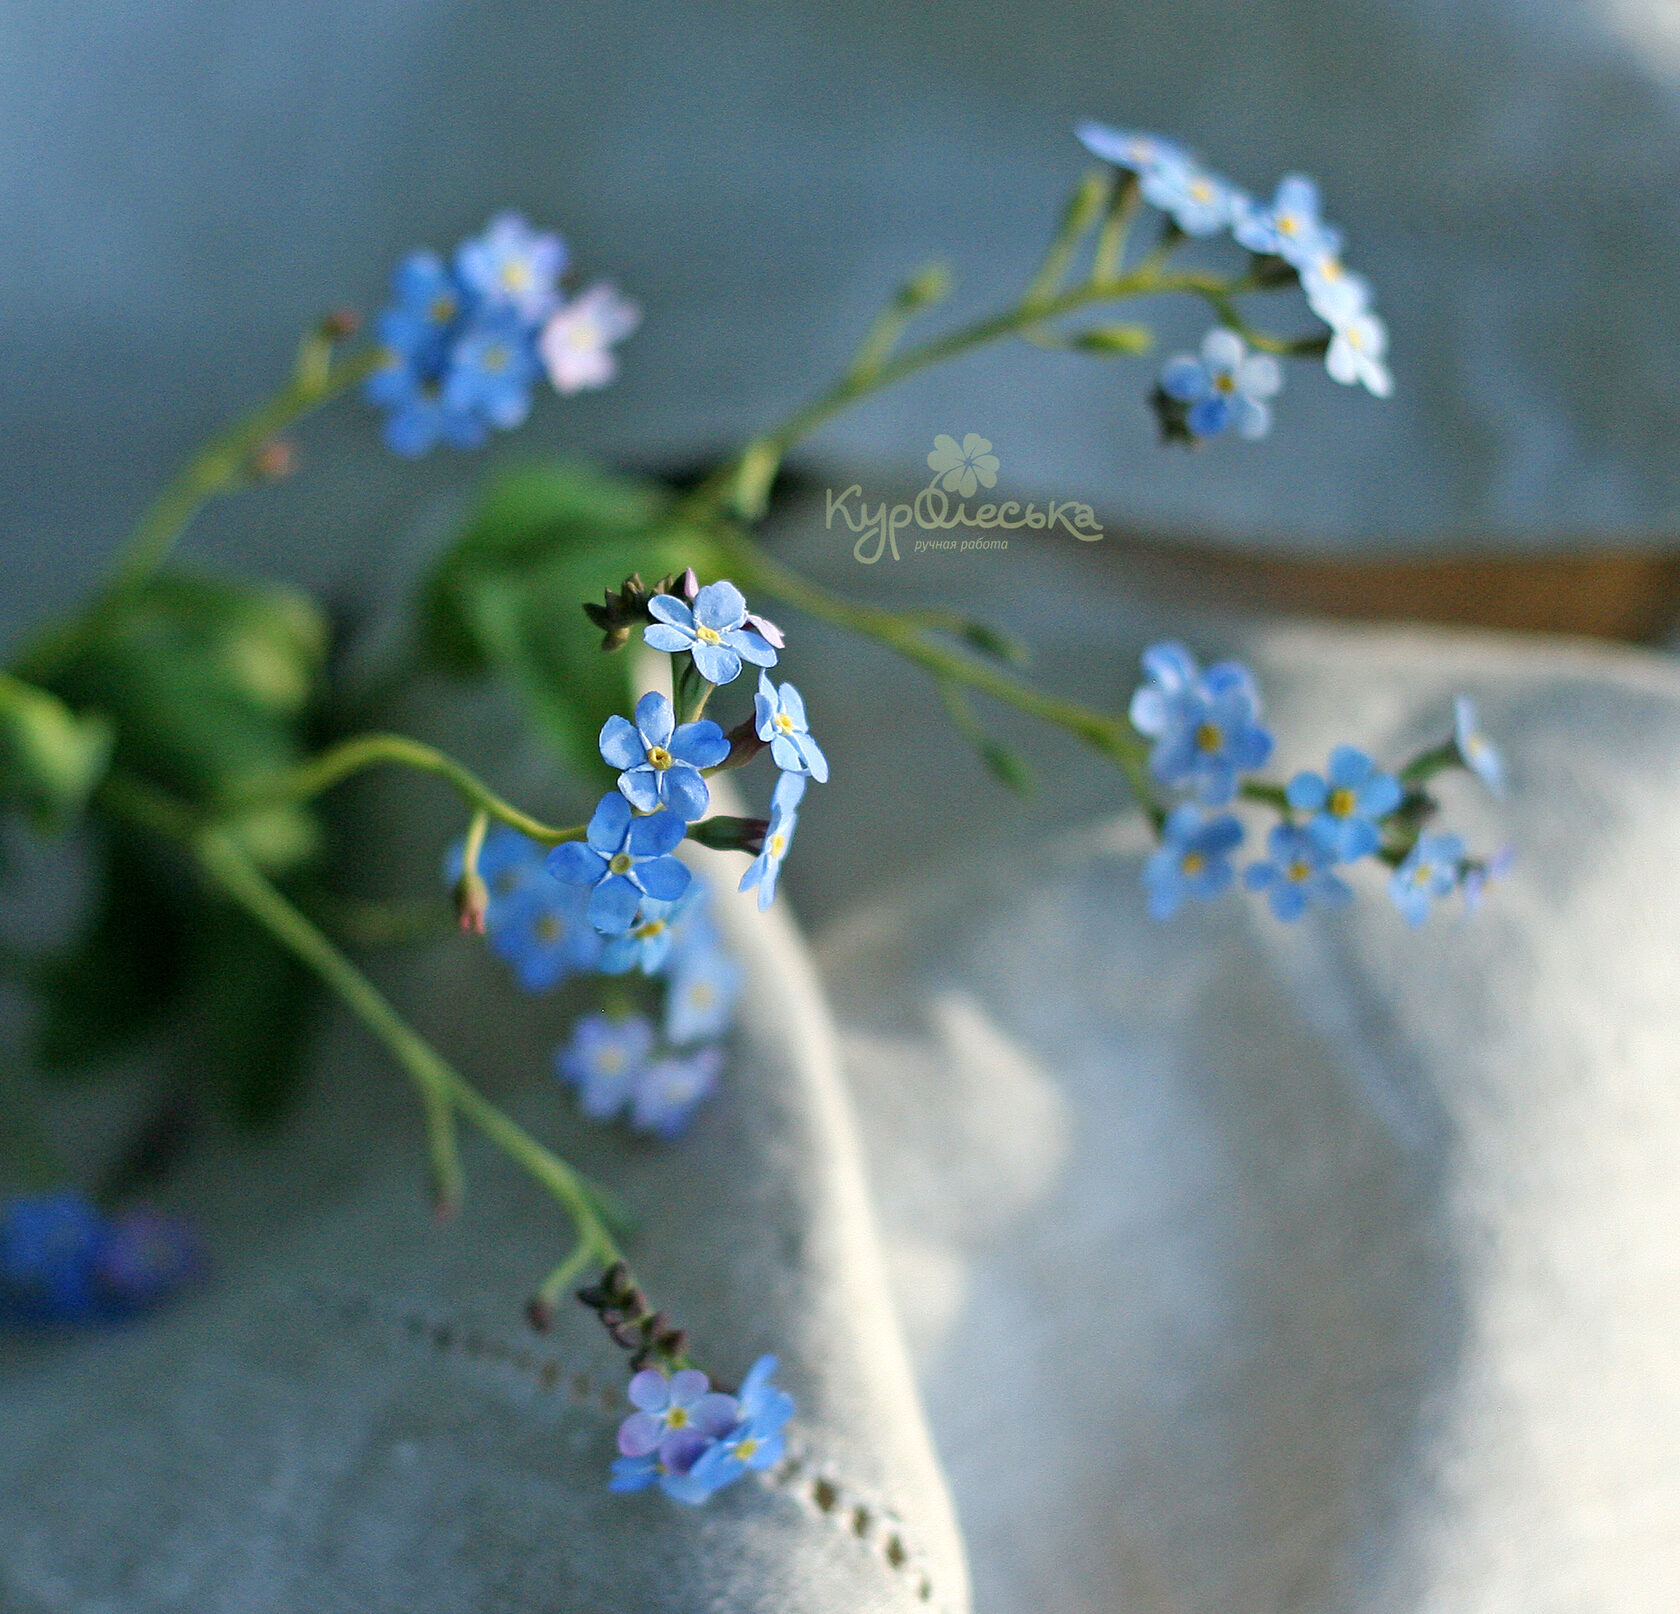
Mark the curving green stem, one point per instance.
(320, 773)
(224, 462)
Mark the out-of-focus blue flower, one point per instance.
(1476, 877)
(1130, 148)
(700, 1001)
(576, 343)
(670, 1090)
(779, 715)
(712, 632)
(675, 1423)
(1334, 293)
(662, 762)
(1205, 725)
(757, 1441)
(1475, 750)
(543, 932)
(1227, 387)
(766, 868)
(1290, 227)
(661, 928)
(426, 306)
(419, 416)
(1430, 871)
(603, 1060)
(1346, 802)
(1193, 860)
(625, 858)
(513, 266)
(1355, 355)
(61, 1261)
(1297, 873)
(1198, 201)
(491, 368)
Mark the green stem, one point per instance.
(350, 756)
(224, 462)
(1112, 737)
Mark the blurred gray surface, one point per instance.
(187, 182)
(1326, 1267)
(354, 1417)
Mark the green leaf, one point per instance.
(125, 973)
(51, 760)
(506, 599)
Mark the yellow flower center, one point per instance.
(1208, 737)
(442, 310)
(707, 635)
(1288, 224)
(1342, 802)
(745, 1448)
(654, 927)
(1193, 863)
(1201, 191)
(610, 1060)
(507, 882)
(516, 274)
(778, 845)
(495, 358)
(701, 995)
(1225, 382)
(677, 1417)
(548, 928)
(1299, 870)
(620, 863)
(784, 722)
(659, 757)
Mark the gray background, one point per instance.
(185, 182)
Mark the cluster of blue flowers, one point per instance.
(62, 1261)
(1225, 387)
(619, 902)
(463, 342)
(1207, 735)
(693, 1440)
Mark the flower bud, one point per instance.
(274, 460)
(539, 1313)
(731, 834)
(472, 902)
(340, 324)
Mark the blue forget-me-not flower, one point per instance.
(1296, 873)
(757, 1441)
(624, 858)
(514, 267)
(1205, 725)
(1131, 149)
(1227, 387)
(603, 1059)
(660, 929)
(662, 762)
(1475, 750)
(576, 344)
(779, 716)
(1430, 871)
(766, 868)
(1289, 227)
(668, 1091)
(1193, 859)
(1347, 802)
(713, 632)
(700, 1001)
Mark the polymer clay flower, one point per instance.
(1355, 355)
(670, 1090)
(623, 858)
(1347, 802)
(513, 266)
(1227, 387)
(576, 344)
(1193, 860)
(1475, 750)
(963, 469)
(1205, 725)
(1296, 874)
(662, 762)
(712, 632)
(766, 868)
(604, 1058)
(779, 717)
(1290, 226)
(1429, 872)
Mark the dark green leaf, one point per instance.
(50, 759)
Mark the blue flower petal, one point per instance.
(718, 664)
(751, 646)
(663, 636)
(668, 608)
(613, 904)
(655, 718)
(640, 787)
(663, 877)
(720, 606)
(701, 745)
(620, 744)
(686, 794)
(576, 863)
(655, 836)
(1307, 792)
(608, 823)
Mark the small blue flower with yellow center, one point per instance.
(713, 631)
(543, 933)
(1297, 873)
(1197, 200)
(623, 858)
(675, 1423)
(661, 761)
(492, 366)
(1475, 750)
(1430, 871)
(1193, 860)
(766, 868)
(700, 1001)
(1347, 802)
(660, 929)
(1132, 149)
(757, 1441)
(1205, 725)
(514, 267)
(779, 717)
(670, 1090)
(603, 1060)
(1289, 227)
(1227, 388)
